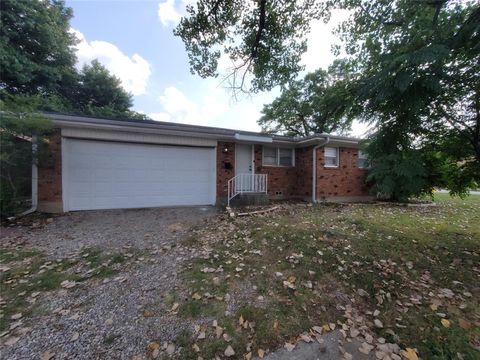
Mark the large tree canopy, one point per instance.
(412, 72)
(312, 105)
(265, 38)
(38, 59)
(35, 46)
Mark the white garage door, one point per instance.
(110, 175)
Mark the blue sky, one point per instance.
(134, 40)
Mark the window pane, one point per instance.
(331, 161)
(362, 163)
(330, 152)
(331, 156)
(269, 156)
(362, 154)
(286, 157)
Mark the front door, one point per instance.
(243, 167)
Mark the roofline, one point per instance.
(191, 130)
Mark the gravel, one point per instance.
(114, 229)
(118, 317)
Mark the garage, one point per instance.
(119, 175)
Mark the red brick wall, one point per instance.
(304, 168)
(346, 180)
(281, 179)
(223, 173)
(50, 175)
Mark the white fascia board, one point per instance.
(253, 138)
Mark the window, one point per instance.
(269, 156)
(285, 157)
(362, 159)
(273, 156)
(331, 157)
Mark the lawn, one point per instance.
(402, 275)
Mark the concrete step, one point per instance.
(249, 199)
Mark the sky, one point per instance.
(134, 40)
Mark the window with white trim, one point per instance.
(331, 157)
(362, 159)
(274, 156)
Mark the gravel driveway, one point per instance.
(114, 317)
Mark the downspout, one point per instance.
(314, 170)
(33, 208)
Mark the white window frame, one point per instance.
(362, 156)
(337, 150)
(277, 164)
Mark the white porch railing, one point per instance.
(246, 183)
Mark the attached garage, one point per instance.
(118, 175)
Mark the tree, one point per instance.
(308, 106)
(19, 123)
(413, 70)
(265, 38)
(100, 93)
(36, 50)
(420, 84)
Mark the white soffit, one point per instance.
(253, 138)
(135, 137)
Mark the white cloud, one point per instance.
(133, 71)
(179, 108)
(320, 41)
(171, 11)
(214, 107)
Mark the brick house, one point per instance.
(103, 164)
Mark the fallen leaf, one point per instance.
(201, 335)
(153, 345)
(175, 306)
(289, 346)
(16, 316)
(12, 340)
(196, 296)
(445, 323)
(464, 324)
(170, 349)
(409, 353)
(365, 348)
(378, 323)
(195, 348)
(47, 355)
(229, 352)
(261, 353)
(248, 356)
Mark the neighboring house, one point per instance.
(111, 164)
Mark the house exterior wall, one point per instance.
(281, 179)
(50, 176)
(225, 168)
(347, 181)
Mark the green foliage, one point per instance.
(35, 46)
(309, 106)
(261, 38)
(38, 58)
(100, 93)
(398, 176)
(18, 124)
(419, 84)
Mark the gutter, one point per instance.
(33, 208)
(314, 170)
